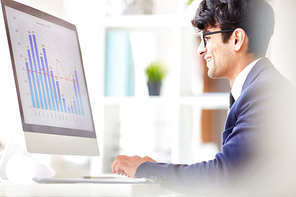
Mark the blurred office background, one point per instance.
(119, 38)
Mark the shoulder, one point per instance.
(270, 83)
(260, 93)
(268, 90)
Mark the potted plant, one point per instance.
(155, 73)
(189, 2)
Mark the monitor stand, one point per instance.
(11, 148)
(15, 153)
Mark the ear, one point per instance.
(240, 38)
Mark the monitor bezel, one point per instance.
(41, 128)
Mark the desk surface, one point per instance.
(8, 189)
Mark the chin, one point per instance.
(214, 75)
(211, 74)
(211, 70)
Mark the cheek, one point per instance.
(225, 60)
(226, 55)
(222, 54)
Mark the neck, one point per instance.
(241, 63)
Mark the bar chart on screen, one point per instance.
(44, 84)
(50, 75)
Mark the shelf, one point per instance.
(205, 101)
(145, 21)
(208, 100)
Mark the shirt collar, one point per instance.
(240, 79)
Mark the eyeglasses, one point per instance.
(204, 34)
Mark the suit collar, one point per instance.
(241, 78)
(261, 65)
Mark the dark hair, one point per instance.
(255, 17)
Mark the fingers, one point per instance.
(127, 166)
(119, 165)
(123, 173)
(115, 165)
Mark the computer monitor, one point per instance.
(50, 82)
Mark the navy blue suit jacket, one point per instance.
(245, 119)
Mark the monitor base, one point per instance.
(14, 155)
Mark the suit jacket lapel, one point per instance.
(260, 66)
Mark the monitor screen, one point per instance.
(48, 71)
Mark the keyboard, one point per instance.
(99, 180)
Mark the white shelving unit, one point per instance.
(204, 101)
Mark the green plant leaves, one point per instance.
(156, 72)
(189, 2)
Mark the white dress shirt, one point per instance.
(239, 81)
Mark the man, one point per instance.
(235, 35)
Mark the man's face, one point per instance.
(218, 55)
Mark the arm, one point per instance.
(235, 152)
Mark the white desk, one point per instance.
(8, 189)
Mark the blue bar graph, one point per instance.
(30, 83)
(34, 82)
(75, 107)
(78, 88)
(76, 95)
(36, 71)
(40, 71)
(64, 103)
(45, 86)
(59, 96)
(49, 80)
(55, 91)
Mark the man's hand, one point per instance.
(127, 166)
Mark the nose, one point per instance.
(201, 49)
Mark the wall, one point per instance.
(284, 40)
(54, 7)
